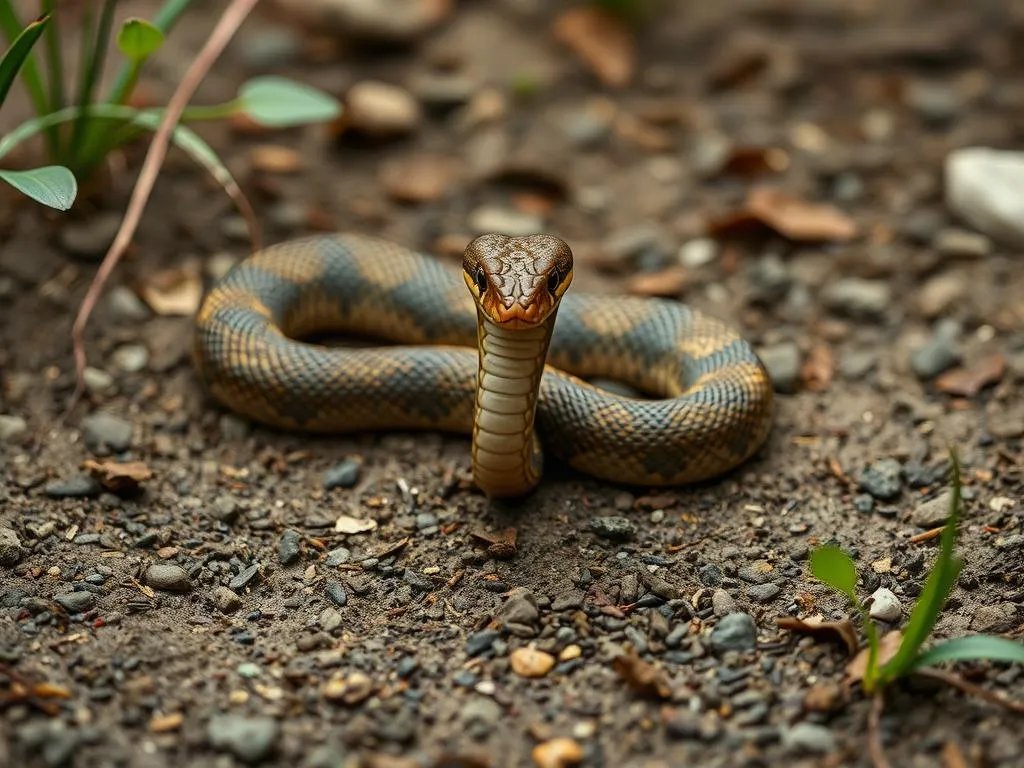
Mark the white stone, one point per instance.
(885, 606)
(983, 187)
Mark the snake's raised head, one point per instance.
(517, 281)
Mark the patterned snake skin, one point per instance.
(713, 398)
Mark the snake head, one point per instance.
(517, 281)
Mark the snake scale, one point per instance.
(483, 356)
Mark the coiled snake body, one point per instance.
(711, 405)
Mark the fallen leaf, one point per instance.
(642, 677)
(789, 216)
(557, 753)
(501, 545)
(665, 283)
(952, 756)
(116, 476)
(818, 368)
(824, 697)
(887, 649)
(842, 631)
(641, 133)
(391, 549)
(969, 381)
(601, 40)
(752, 161)
(273, 158)
(349, 524)
(165, 723)
(420, 178)
(174, 292)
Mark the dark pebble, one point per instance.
(763, 593)
(81, 486)
(614, 527)
(481, 642)
(863, 503)
(343, 475)
(734, 632)
(883, 479)
(250, 739)
(337, 557)
(289, 547)
(102, 432)
(710, 575)
(336, 593)
(76, 602)
(243, 579)
(417, 581)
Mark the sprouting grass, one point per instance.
(82, 127)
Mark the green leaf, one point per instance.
(836, 568)
(277, 102)
(970, 648)
(936, 589)
(138, 39)
(52, 185)
(19, 51)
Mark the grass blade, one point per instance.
(836, 568)
(51, 185)
(54, 59)
(18, 52)
(971, 648)
(93, 57)
(12, 27)
(937, 587)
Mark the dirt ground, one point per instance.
(218, 617)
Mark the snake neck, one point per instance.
(507, 459)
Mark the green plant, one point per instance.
(51, 185)
(82, 131)
(835, 568)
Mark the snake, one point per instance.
(504, 355)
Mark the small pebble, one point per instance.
(90, 236)
(882, 479)
(125, 305)
(698, 253)
(245, 577)
(167, 577)
(97, 382)
(885, 606)
(381, 110)
(80, 486)
(613, 527)
(342, 475)
(763, 593)
(106, 432)
(530, 662)
(858, 298)
(504, 221)
(11, 550)
(480, 642)
(983, 188)
(289, 547)
(131, 358)
(249, 738)
(808, 737)
(12, 428)
(76, 602)
(931, 513)
(783, 362)
(734, 632)
(938, 354)
(225, 600)
(336, 593)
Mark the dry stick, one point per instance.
(970, 688)
(875, 748)
(229, 23)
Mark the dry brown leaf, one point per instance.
(666, 283)
(174, 292)
(968, 382)
(273, 158)
(557, 753)
(818, 369)
(789, 216)
(842, 631)
(601, 40)
(349, 524)
(118, 476)
(887, 648)
(952, 756)
(642, 677)
(753, 161)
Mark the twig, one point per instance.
(229, 23)
(970, 688)
(875, 748)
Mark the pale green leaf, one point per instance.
(277, 102)
(836, 568)
(138, 39)
(51, 185)
(971, 648)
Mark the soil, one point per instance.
(217, 616)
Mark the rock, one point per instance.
(381, 110)
(995, 618)
(885, 606)
(289, 547)
(858, 298)
(504, 221)
(250, 739)
(614, 527)
(78, 487)
(75, 602)
(12, 428)
(563, 601)
(342, 475)
(938, 354)
(480, 642)
(125, 305)
(336, 593)
(330, 619)
(698, 253)
(722, 603)
(103, 432)
(734, 632)
(770, 280)
(644, 246)
(225, 600)
(245, 577)
(983, 188)
(856, 364)
(882, 479)
(90, 236)
(520, 608)
(763, 593)
(783, 362)
(954, 242)
(97, 382)
(167, 577)
(131, 358)
(530, 662)
(808, 738)
(941, 294)
(932, 512)
(937, 101)
(11, 550)
(390, 21)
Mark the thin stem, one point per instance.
(875, 748)
(93, 58)
(211, 111)
(54, 59)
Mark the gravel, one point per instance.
(734, 632)
(250, 739)
(168, 578)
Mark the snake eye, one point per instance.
(481, 281)
(554, 281)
